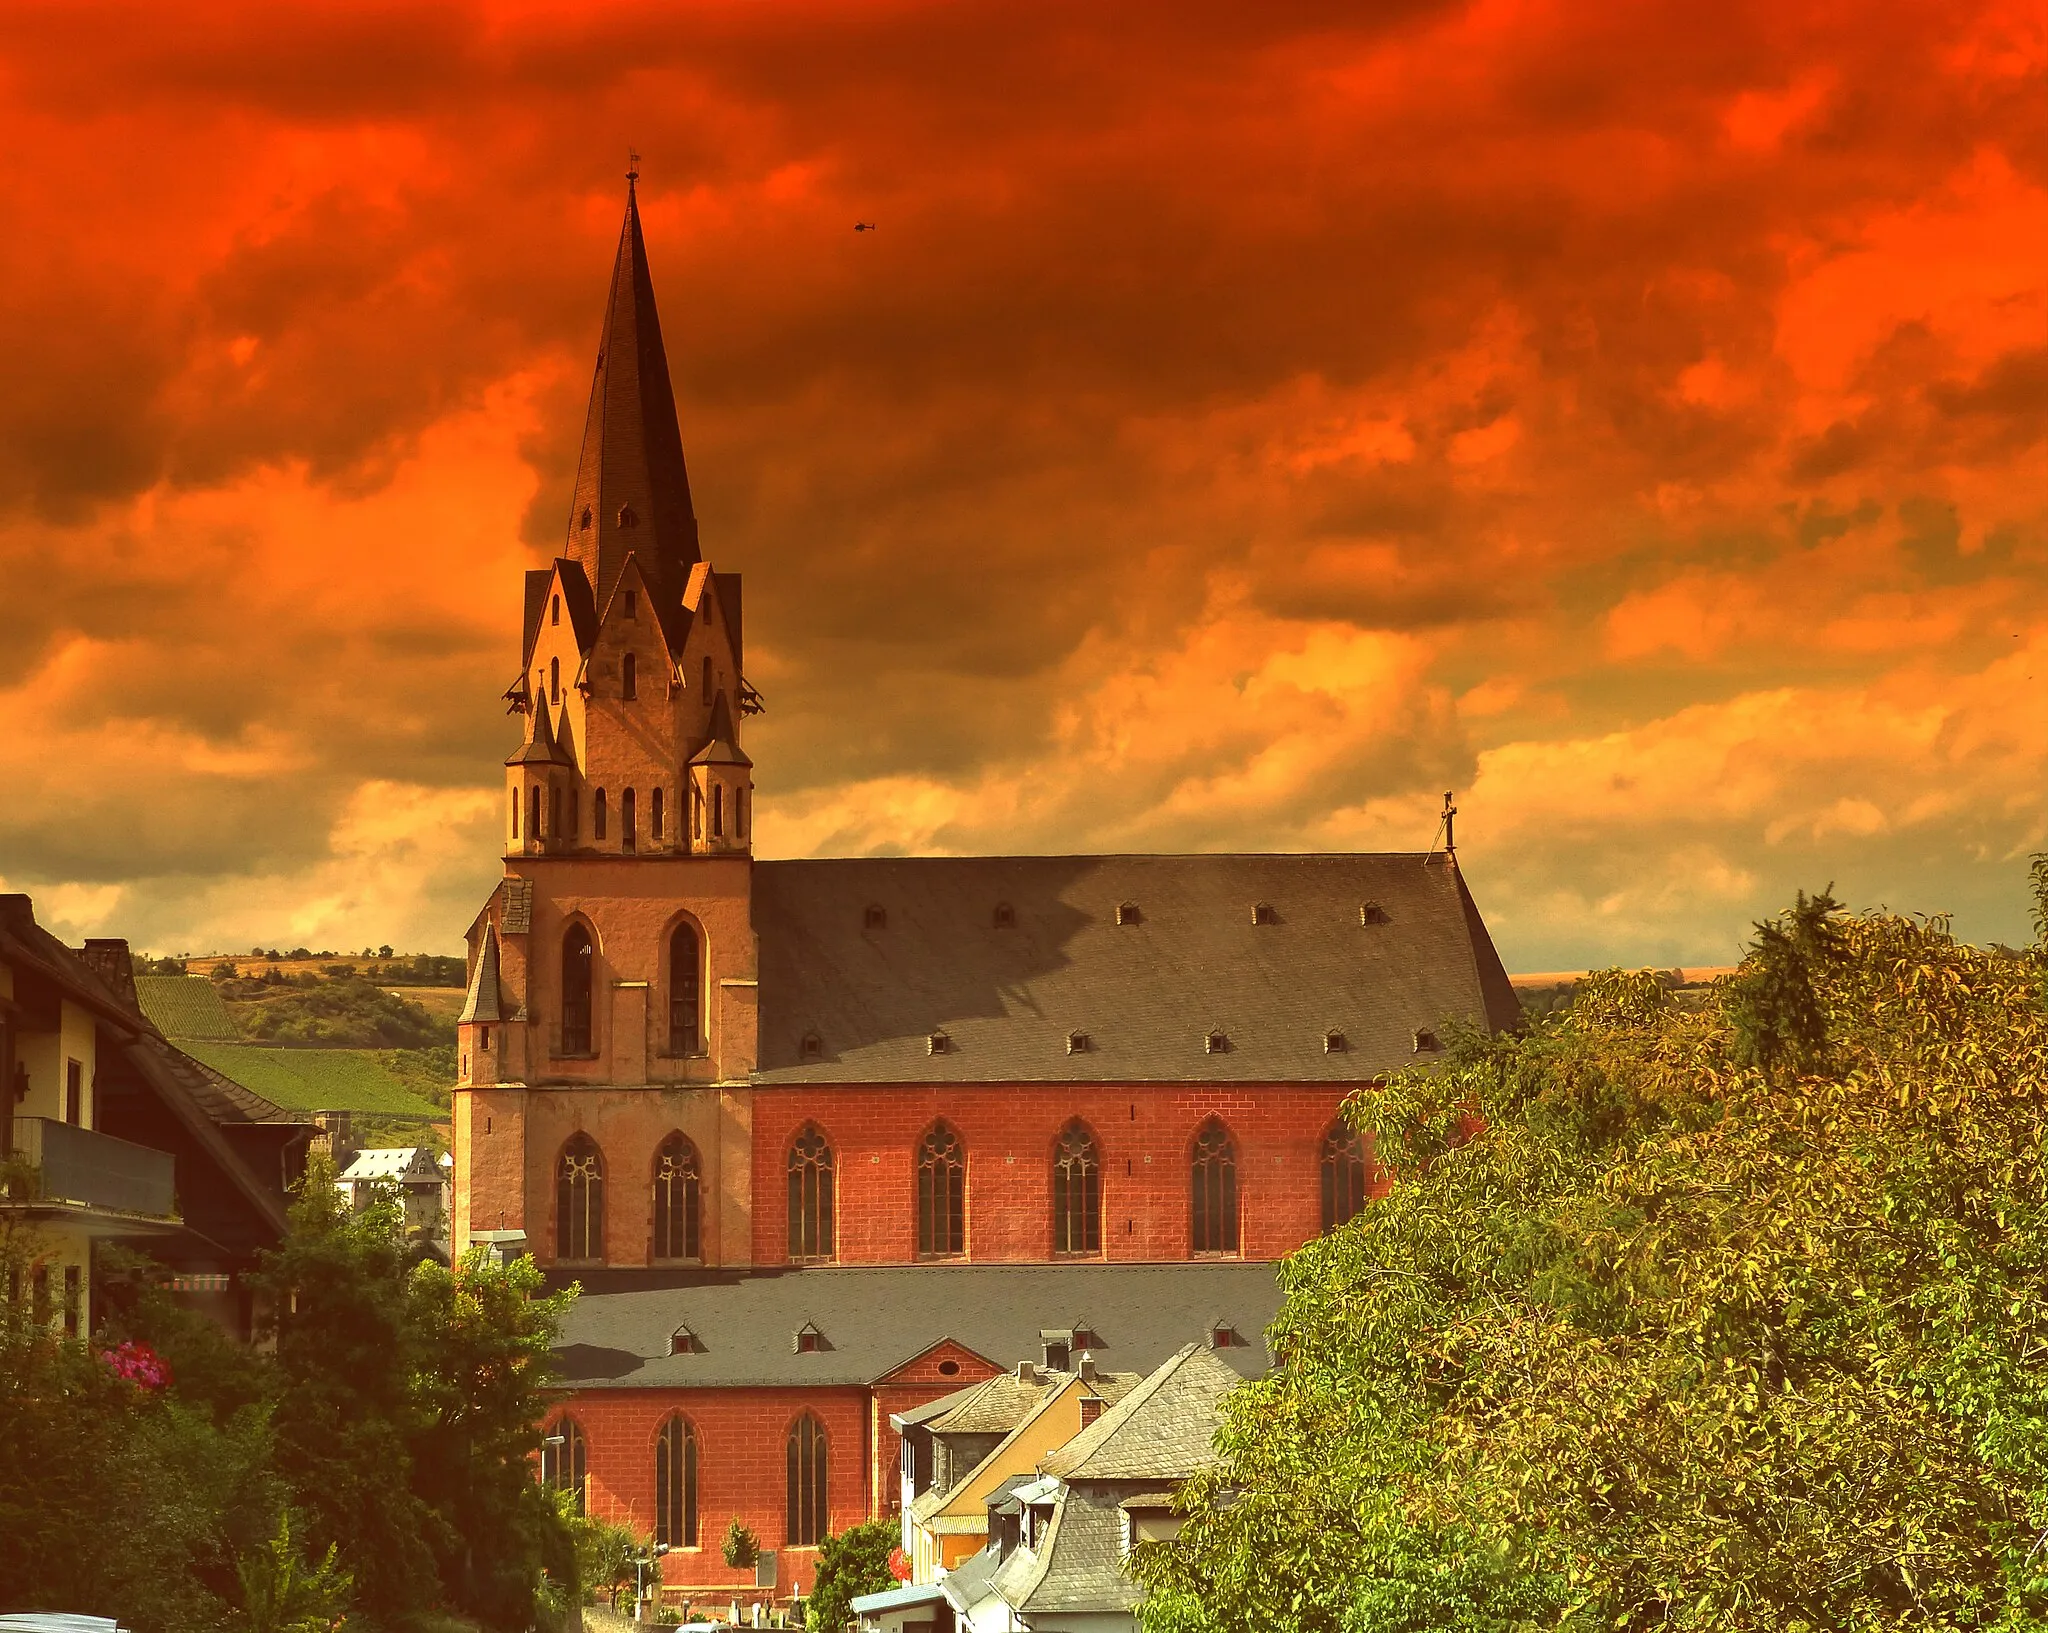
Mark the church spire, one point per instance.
(632, 491)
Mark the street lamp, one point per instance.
(641, 1563)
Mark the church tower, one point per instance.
(618, 953)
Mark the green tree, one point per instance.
(741, 1549)
(347, 1405)
(1730, 1318)
(854, 1562)
(281, 1595)
(606, 1556)
(484, 1334)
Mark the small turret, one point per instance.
(721, 789)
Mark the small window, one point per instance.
(555, 610)
(949, 1369)
(1078, 1043)
(684, 1342)
(584, 523)
(1224, 1336)
(628, 838)
(1262, 913)
(718, 810)
(554, 680)
(937, 1043)
(632, 603)
(596, 815)
(812, 1046)
(1005, 917)
(1426, 1042)
(515, 813)
(1335, 1043)
(707, 683)
(875, 917)
(1217, 1043)
(1372, 913)
(629, 677)
(483, 1041)
(1127, 913)
(656, 815)
(626, 516)
(739, 813)
(810, 1341)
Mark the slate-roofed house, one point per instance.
(125, 1137)
(719, 1092)
(1058, 1544)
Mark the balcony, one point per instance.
(77, 1168)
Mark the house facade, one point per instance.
(925, 1107)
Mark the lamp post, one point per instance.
(641, 1564)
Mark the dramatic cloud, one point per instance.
(1243, 425)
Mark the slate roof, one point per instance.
(388, 1162)
(996, 1405)
(1162, 1430)
(875, 1316)
(1078, 1567)
(1108, 1386)
(481, 1002)
(1146, 994)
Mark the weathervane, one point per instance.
(1446, 830)
(632, 166)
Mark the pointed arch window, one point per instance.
(515, 813)
(1214, 1185)
(579, 1200)
(810, 1196)
(1076, 1191)
(579, 959)
(685, 992)
(597, 814)
(554, 609)
(809, 1515)
(628, 838)
(554, 808)
(718, 810)
(565, 1460)
(941, 1195)
(533, 812)
(675, 1484)
(629, 677)
(554, 680)
(656, 814)
(677, 1196)
(739, 813)
(1343, 1175)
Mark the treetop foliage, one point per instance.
(1731, 1317)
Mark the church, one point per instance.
(826, 1140)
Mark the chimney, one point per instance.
(107, 957)
(1086, 1367)
(1027, 1372)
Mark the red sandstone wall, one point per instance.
(741, 1469)
(910, 1386)
(1145, 1135)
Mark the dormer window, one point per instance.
(1127, 912)
(1334, 1042)
(632, 603)
(937, 1043)
(1224, 1336)
(1426, 1042)
(1262, 913)
(684, 1342)
(1004, 917)
(812, 1046)
(1372, 913)
(1216, 1043)
(1078, 1043)
(874, 917)
(626, 516)
(809, 1340)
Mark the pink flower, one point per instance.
(137, 1364)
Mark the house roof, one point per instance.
(1011, 956)
(389, 1162)
(616, 1335)
(1162, 1430)
(482, 1002)
(1078, 1568)
(994, 1406)
(1108, 1387)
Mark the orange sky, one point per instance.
(1245, 423)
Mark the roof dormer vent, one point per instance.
(1426, 1042)
(808, 1340)
(1004, 917)
(1334, 1042)
(1127, 913)
(874, 917)
(626, 516)
(1217, 1042)
(811, 1047)
(684, 1342)
(1372, 913)
(936, 1042)
(1078, 1043)
(1262, 913)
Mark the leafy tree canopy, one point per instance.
(854, 1562)
(1728, 1317)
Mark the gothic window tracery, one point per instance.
(675, 1484)
(565, 1460)
(1343, 1172)
(809, 1516)
(1214, 1188)
(810, 1196)
(578, 963)
(1076, 1191)
(941, 1195)
(579, 1200)
(677, 1200)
